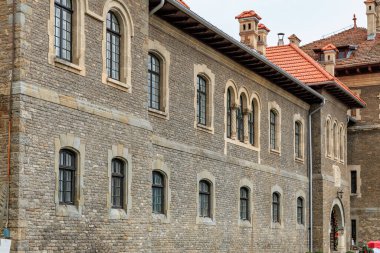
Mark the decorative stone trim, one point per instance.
(121, 11)
(275, 225)
(122, 153)
(156, 48)
(69, 141)
(297, 118)
(205, 72)
(77, 65)
(245, 182)
(274, 106)
(160, 166)
(356, 168)
(303, 196)
(205, 175)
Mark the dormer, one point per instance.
(249, 26)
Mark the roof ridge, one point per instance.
(313, 62)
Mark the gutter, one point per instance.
(310, 168)
(248, 50)
(157, 8)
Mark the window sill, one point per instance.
(160, 218)
(242, 144)
(118, 85)
(204, 128)
(158, 113)
(275, 152)
(205, 221)
(301, 227)
(67, 211)
(118, 214)
(276, 225)
(245, 223)
(299, 160)
(69, 66)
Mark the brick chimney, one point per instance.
(372, 18)
(262, 39)
(249, 22)
(294, 40)
(330, 52)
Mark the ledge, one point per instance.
(69, 66)
(118, 85)
(245, 223)
(160, 218)
(242, 144)
(205, 221)
(67, 211)
(299, 160)
(204, 128)
(118, 214)
(275, 152)
(158, 113)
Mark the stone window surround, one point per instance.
(357, 219)
(274, 106)
(160, 166)
(275, 225)
(335, 145)
(73, 143)
(78, 44)
(342, 143)
(203, 71)
(335, 140)
(122, 153)
(297, 118)
(328, 137)
(356, 168)
(156, 48)
(303, 196)
(245, 182)
(120, 9)
(254, 97)
(205, 175)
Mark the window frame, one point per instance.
(207, 195)
(245, 199)
(160, 187)
(354, 182)
(273, 123)
(298, 140)
(63, 183)
(276, 214)
(157, 74)
(300, 211)
(240, 126)
(117, 35)
(229, 113)
(202, 94)
(121, 176)
(67, 10)
(252, 124)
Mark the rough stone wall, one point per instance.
(324, 188)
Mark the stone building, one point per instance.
(358, 66)
(137, 126)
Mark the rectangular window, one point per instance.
(63, 27)
(353, 230)
(201, 100)
(354, 185)
(273, 130)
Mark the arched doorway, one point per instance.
(337, 228)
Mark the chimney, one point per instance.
(249, 22)
(372, 19)
(330, 52)
(262, 39)
(280, 39)
(294, 40)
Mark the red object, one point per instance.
(374, 245)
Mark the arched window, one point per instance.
(117, 183)
(341, 135)
(300, 218)
(201, 100)
(328, 137)
(276, 207)
(113, 46)
(297, 139)
(154, 82)
(229, 111)
(273, 126)
(63, 29)
(244, 203)
(204, 199)
(240, 121)
(158, 192)
(335, 140)
(251, 123)
(67, 171)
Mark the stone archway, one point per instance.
(337, 228)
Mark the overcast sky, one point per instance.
(308, 19)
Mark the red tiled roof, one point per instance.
(262, 26)
(329, 47)
(184, 4)
(300, 65)
(367, 53)
(248, 14)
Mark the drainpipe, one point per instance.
(310, 159)
(157, 8)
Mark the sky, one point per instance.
(309, 19)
